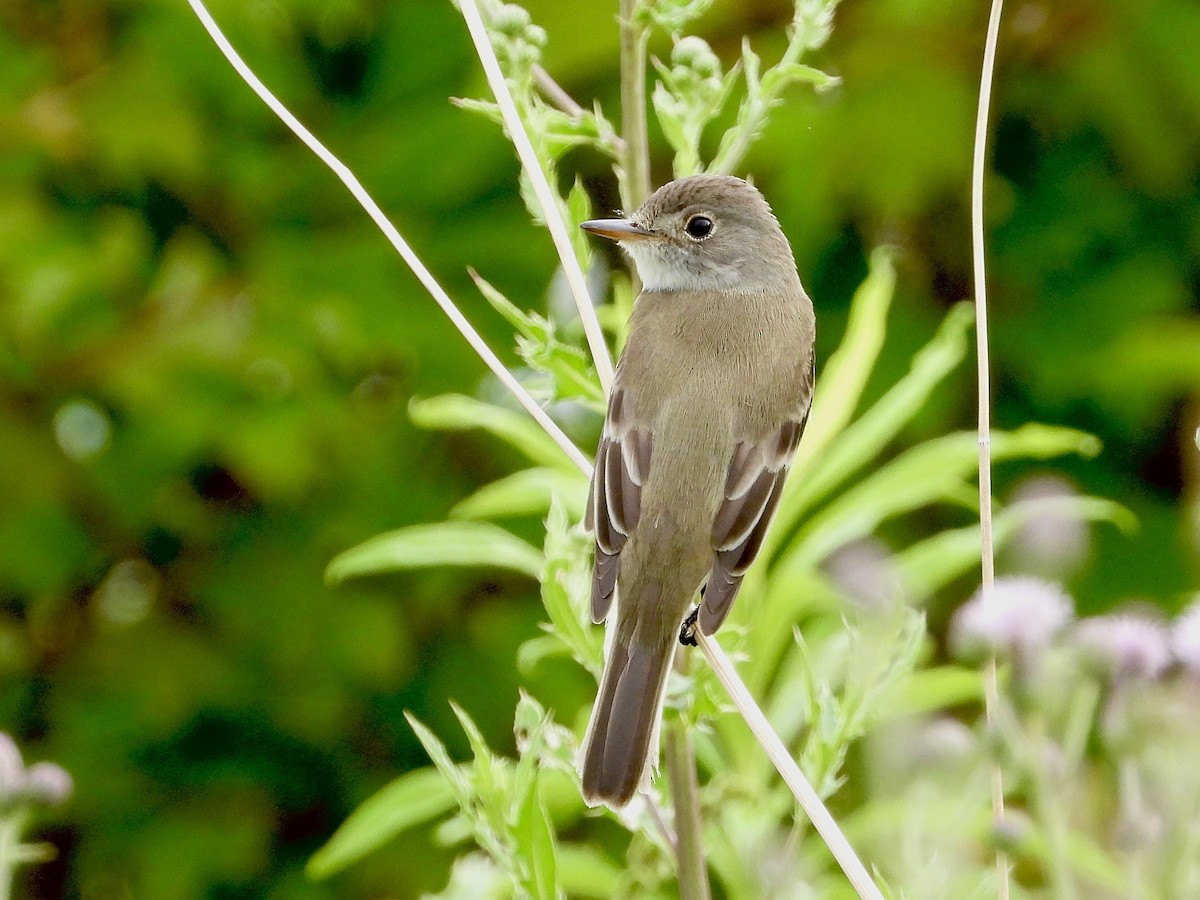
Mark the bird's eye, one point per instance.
(699, 227)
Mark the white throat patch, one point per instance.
(658, 274)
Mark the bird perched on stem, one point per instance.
(707, 406)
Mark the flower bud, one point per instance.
(511, 20)
(695, 53)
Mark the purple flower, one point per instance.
(1018, 617)
(1125, 646)
(1185, 637)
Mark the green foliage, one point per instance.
(851, 674)
(206, 356)
(410, 800)
(441, 544)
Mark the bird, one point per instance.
(708, 403)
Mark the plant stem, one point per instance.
(11, 827)
(800, 787)
(1050, 805)
(685, 798)
(636, 159)
(988, 564)
(553, 91)
(1132, 806)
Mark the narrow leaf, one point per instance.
(930, 690)
(412, 799)
(931, 564)
(863, 440)
(535, 836)
(920, 476)
(450, 771)
(525, 493)
(437, 544)
(584, 872)
(844, 376)
(456, 412)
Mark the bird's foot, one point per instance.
(687, 631)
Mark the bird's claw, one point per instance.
(687, 631)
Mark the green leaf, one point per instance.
(579, 209)
(437, 544)
(535, 838)
(931, 564)
(797, 73)
(566, 590)
(525, 493)
(456, 412)
(412, 799)
(929, 690)
(525, 323)
(843, 378)
(790, 595)
(585, 872)
(863, 440)
(450, 771)
(534, 650)
(918, 477)
(488, 769)
(540, 347)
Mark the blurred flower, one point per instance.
(1018, 618)
(863, 571)
(48, 784)
(1051, 542)
(42, 784)
(1124, 646)
(1185, 637)
(12, 769)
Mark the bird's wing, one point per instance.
(615, 500)
(753, 483)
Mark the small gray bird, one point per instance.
(710, 398)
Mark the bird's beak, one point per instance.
(619, 230)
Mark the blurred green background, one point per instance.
(206, 352)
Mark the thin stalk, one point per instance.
(800, 787)
(547, 199)
(685, 798)
(554, 92)
(990, 680)
(11, 827)
(1050, 804)
(1080, 716)
(636, 160)
(660, 821)
(389, 230)
(1133, 811)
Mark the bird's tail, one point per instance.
(622, 739)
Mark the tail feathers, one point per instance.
(621, 742)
